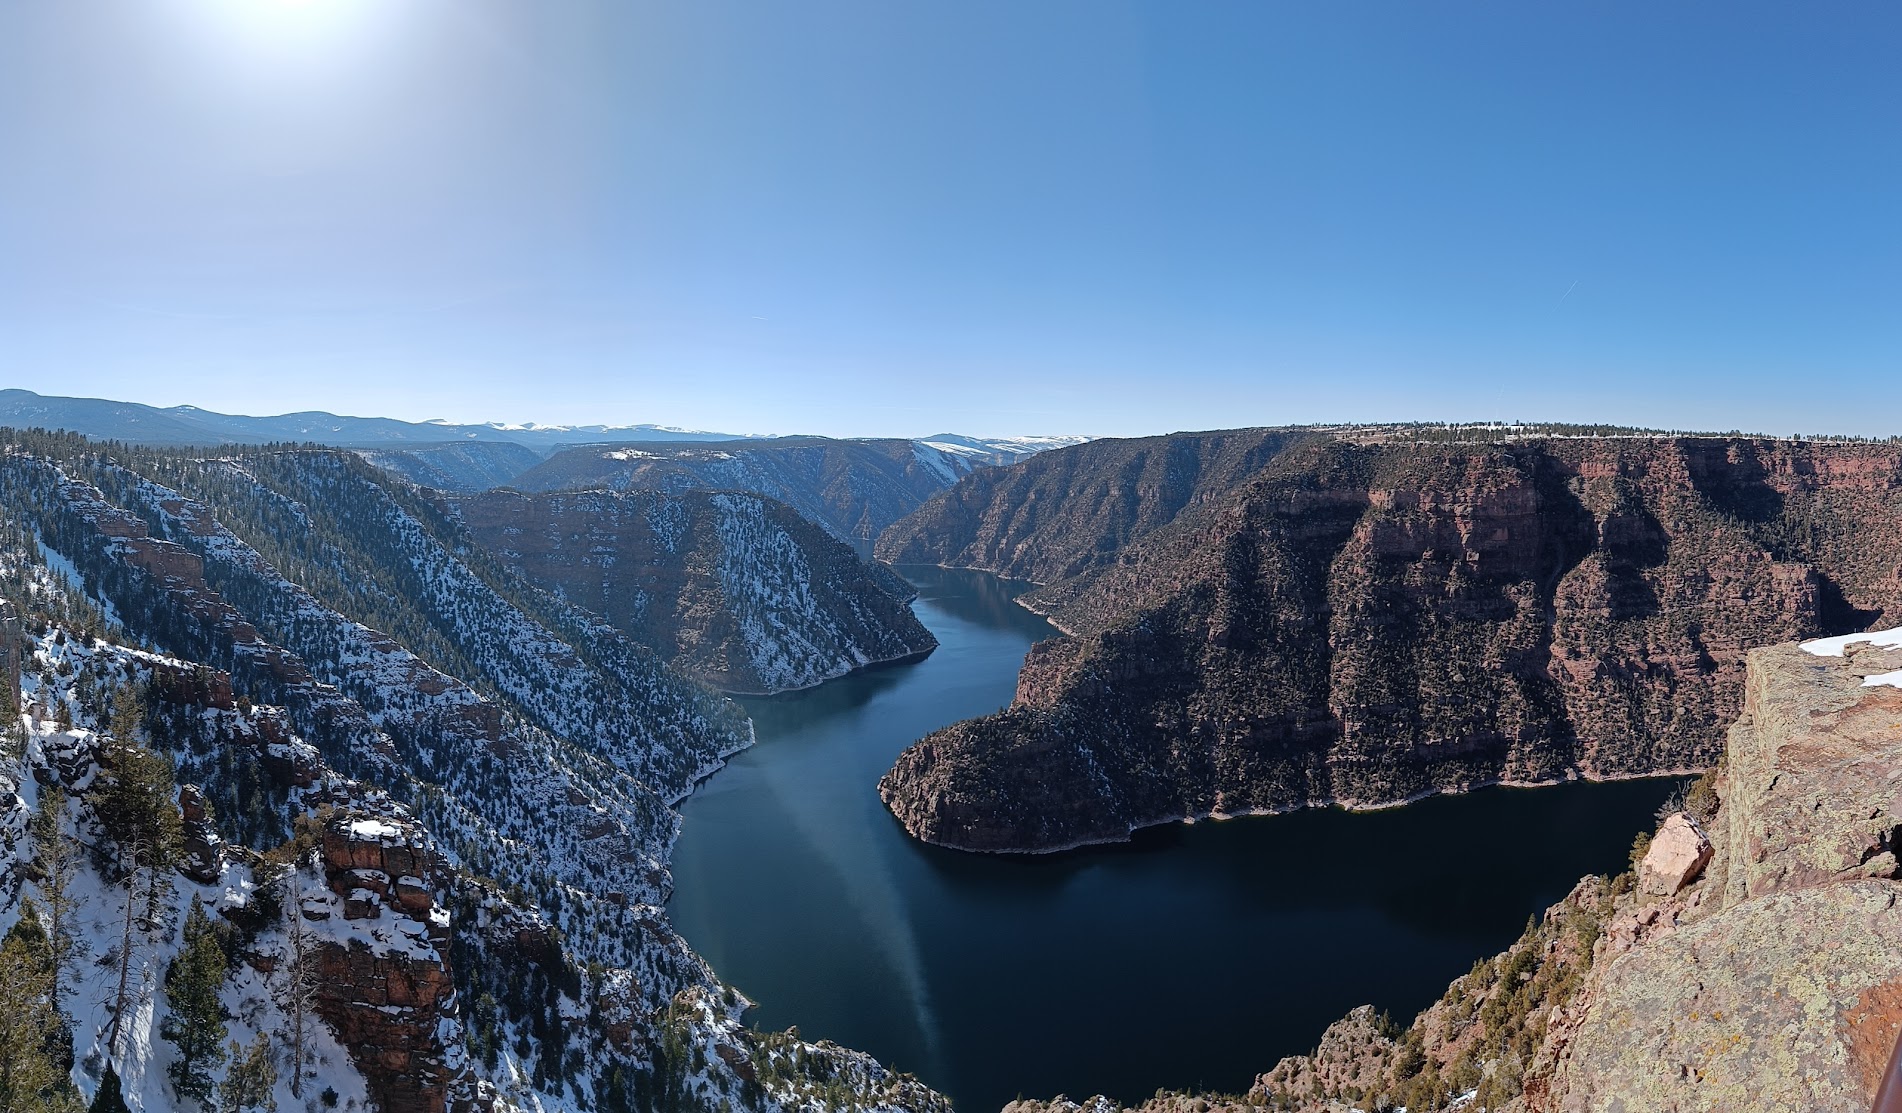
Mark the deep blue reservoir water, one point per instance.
(1195, 957)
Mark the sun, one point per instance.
(285, 31)
(302, 11)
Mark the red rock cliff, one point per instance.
(1368, 623)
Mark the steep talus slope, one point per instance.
(305, 941)
(737, 590)
(1365, 624)
(1752, 959)
(852, 488)
(490, 769)
(372, 549)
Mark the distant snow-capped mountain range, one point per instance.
(134, 422)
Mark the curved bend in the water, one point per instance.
(1192, 959)
(790, 876)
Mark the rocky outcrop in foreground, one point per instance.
(1751, 960)
(1775, 981)
(737, 590)
(1267, 620)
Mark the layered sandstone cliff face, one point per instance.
(1752, 960)
(379, 941)
(737, 590)
(1365, 624)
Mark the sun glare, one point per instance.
(283, 30)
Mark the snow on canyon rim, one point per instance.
(1881, 639)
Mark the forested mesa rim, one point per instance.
(1271, 619)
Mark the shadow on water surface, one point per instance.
(1196, 955)
(825, 700)
(976, 597)
(1331, 860)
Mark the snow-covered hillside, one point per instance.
(446, 790)
(735, 589)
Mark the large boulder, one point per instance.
(1679, 852)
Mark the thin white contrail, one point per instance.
(1568, 291)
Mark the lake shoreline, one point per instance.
(1194, 818)
(1184, 957)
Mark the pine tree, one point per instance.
(137, 799)
(130, 938)
(252, 1080)
(12, 730)
(134, 802)
(197, 1021)
(128, 712)
(611, 1094)
(56, 859)
(300, 984)
(30, 1030)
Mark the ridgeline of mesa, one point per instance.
(1267, 619)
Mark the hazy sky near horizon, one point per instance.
(994, 217)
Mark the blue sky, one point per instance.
(897, 218)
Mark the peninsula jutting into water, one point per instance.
(1190, 959)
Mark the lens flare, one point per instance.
(287, 32)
